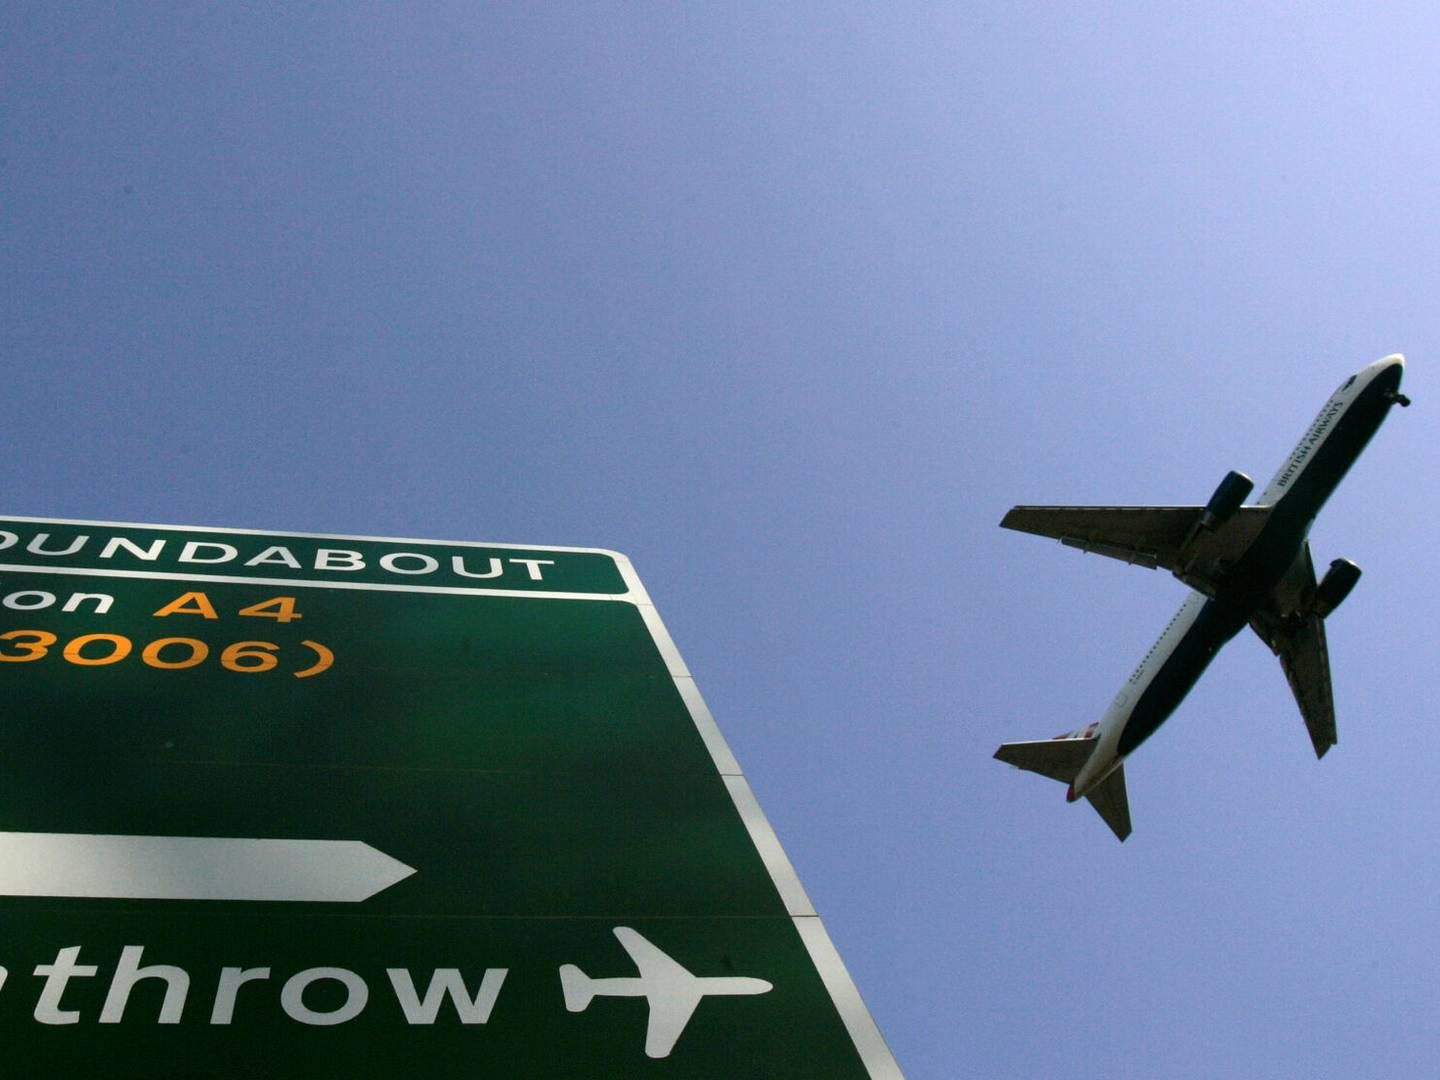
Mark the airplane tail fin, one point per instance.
(578, 987)
(1062, 759)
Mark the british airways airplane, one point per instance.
(1246, 564)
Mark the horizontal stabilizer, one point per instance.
(577, 987)
(1062, 759)
(1111, 803)
(1059, 759)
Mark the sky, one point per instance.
(790, 303)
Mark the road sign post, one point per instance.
(311, 806)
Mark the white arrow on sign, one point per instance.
(193, 868)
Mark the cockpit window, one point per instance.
(1346, 385)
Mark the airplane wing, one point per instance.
(1157, 537)
(1296, 635)
(673, 993)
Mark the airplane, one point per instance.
(1244, 564)
(671, 991)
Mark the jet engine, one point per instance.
(1335, 586)
(1226, 500)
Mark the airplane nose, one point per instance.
(1392, 371)
(1394, 360)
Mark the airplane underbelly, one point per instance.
(1172, 679)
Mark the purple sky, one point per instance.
(791, 307)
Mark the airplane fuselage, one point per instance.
(1206, 620)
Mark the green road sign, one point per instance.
(313, 806)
